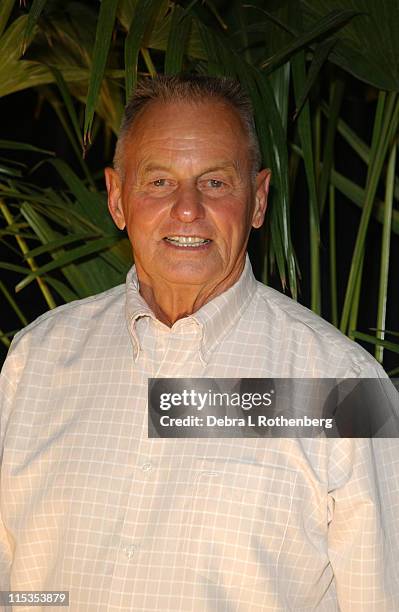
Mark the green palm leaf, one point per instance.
(145, 12)
(178, 35)
(6, 7)
(34, 14)
(106, 20)
(368, 46)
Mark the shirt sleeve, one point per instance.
(9, 378)
(5, 548)
(363, 540)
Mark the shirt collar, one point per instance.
(215, 319)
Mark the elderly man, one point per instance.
(89, 503)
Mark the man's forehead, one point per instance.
(204, 134)
(158, 116)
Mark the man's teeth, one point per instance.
(187, 241)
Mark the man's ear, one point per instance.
(262, 192)
(114, 188)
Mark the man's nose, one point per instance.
(188, 206)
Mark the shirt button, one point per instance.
(130, 550)
(146, 467)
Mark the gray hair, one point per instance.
(191, 88)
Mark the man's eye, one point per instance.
(215, 184)
(159, 183)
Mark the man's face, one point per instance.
(187, 196)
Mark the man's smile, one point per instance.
(187, 241)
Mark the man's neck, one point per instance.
(171, 302)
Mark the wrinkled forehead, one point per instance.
(208, 127)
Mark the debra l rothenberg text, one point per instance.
(257, 421)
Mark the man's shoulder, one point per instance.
(302, 333)
(296, 315)
(61, 338)
(77, 315)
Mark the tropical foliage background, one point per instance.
(331, 239)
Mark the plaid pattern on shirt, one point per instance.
(91, 505)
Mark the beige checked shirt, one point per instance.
(91, 505)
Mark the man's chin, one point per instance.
(187, 275)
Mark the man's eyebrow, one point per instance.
(228, 165)
(151, 166)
